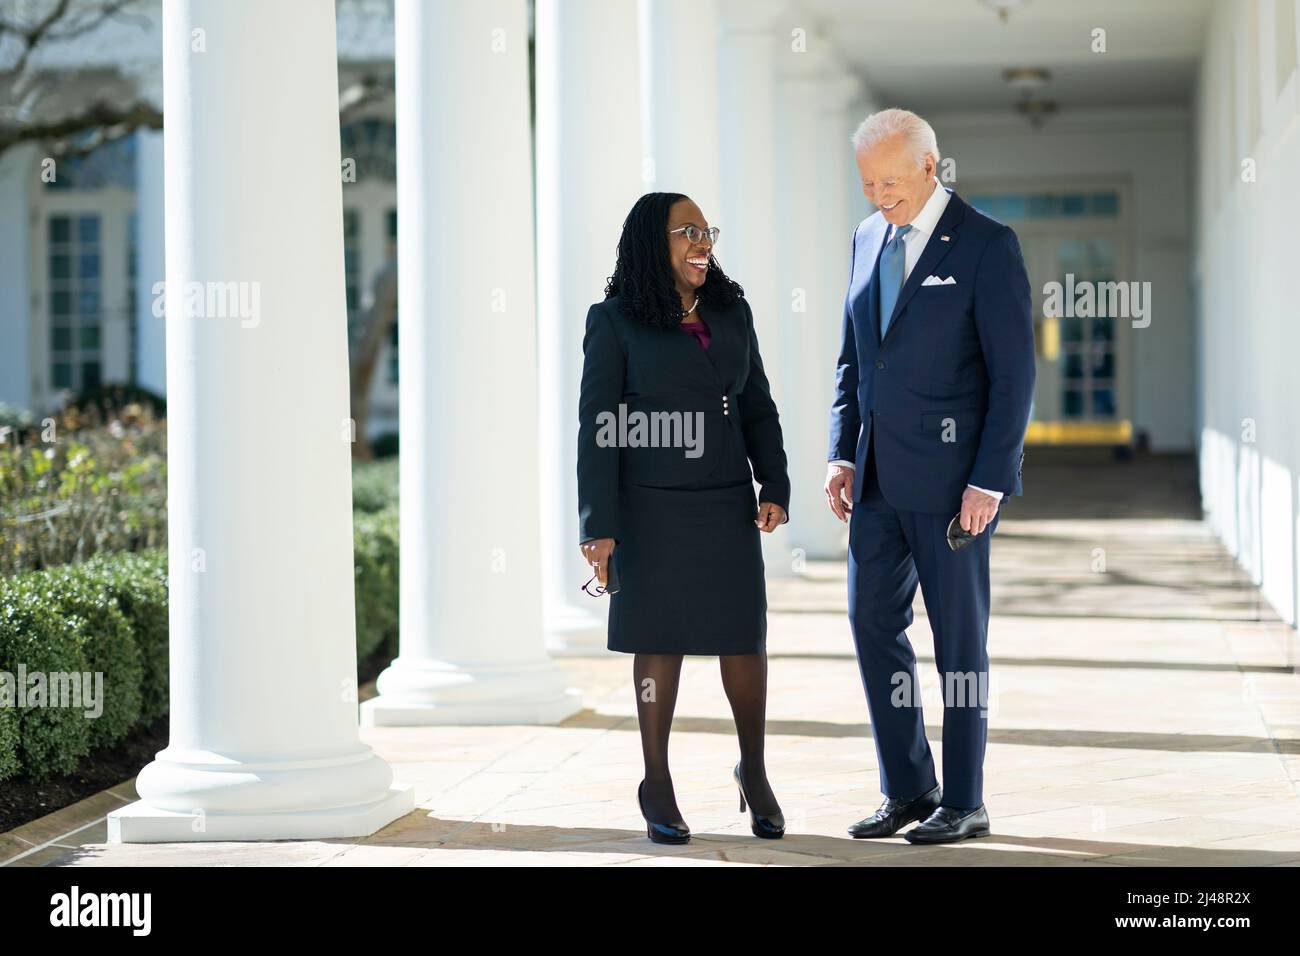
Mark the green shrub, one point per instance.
(76, 490)
(139, 583)
(109, 614)
(10, 741)
(82, 541)
(109, 646)
(34, 635)
(376, 552)
(110, 400)
(384, 445)
(374, 485)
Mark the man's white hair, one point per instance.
(886, 124)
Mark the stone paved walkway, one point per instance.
(1146, 714)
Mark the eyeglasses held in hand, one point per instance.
(599, 588)
(958, 537)
(611, 578)
(695, 233)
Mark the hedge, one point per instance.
(376, 552)
(109, 615)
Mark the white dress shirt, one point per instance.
(923, 226)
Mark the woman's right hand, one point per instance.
(597, 552)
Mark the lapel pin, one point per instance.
(943, 238)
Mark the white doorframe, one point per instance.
(1039, 241)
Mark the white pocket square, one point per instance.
(935, 280)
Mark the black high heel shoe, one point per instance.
(677, 832)
(769, 828)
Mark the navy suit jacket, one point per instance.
(947, 394)
(653, 369)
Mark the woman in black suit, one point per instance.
(674, 408)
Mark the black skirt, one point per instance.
(690, 566)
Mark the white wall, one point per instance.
(1246, 110)
(1150, 150)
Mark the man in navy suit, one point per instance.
(933, 388)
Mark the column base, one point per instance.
(141, 823)
(425, 692)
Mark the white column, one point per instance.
(841, 210)
(679, 99)
(18, 172)
(588, 177)
(472, 647)
(264, 734)
(150, 265)
(813, 311)
(747, 248)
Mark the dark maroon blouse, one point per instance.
(700, 330)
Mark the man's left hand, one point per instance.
(977, 510)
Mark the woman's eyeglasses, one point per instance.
(695, 233)
(611, 585)
(594, 587)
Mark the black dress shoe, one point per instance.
(675, 832)
(947, 825)
(769, 828)
(894, 814)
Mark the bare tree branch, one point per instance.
(105, 122)
(365, 353)
(62, 23)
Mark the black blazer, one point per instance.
(945, 398)
(650, 370)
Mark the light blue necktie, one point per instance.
(891, 275)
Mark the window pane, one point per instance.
(60, 229)
(1014, 207)
(60, 338)
(1043, 206)
(1103, 402)
(90, 336)
(1072, 403)
(88, 266)
(89, 374)
(60, 303)
(1104, 204)
(1073, 204)
(88, 229)
(60, 266)
(62, 375)
(1073, 365)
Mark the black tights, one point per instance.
(744, 678)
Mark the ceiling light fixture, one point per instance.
(1026, 79)
(1036, 111)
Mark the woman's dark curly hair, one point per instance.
(643, 276)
